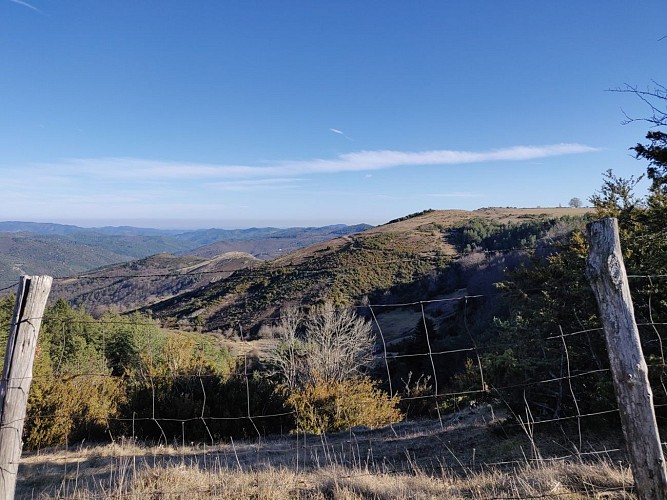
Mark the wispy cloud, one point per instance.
(26, 4)
(126, 169)
(104, 188)
(340, 132)
(388, 159)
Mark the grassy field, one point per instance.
(467, 455)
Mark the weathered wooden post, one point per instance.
(607, 276)
(17, 374)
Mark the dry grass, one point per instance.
(128, 480)
(458, 459)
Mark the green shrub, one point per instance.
(93, 376)
(329, 406)
(75, 404)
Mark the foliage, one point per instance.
(334, 405)
(417, 399)
(483, 234)
(616, 197)
(92, 375)
(377, 264)
(73, 394)
(550, 296)
(6, 312)
(200, 407)
(319, 359)
(541, 300)
(656, 153)
(74, 405)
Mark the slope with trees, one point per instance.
(145, 281)
(410, 259)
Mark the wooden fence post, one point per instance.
(607, 276)
(17, 374)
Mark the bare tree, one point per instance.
(340, 343)
(575, 202)
(331, 344)
(654, 97)
(288, 356)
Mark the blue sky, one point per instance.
(249, 113)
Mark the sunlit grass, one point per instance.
(464, 457)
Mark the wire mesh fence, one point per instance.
(440, 375)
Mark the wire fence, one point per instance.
(385, 356)
(474, 392)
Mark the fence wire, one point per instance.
(439, 390)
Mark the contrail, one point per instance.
(26, 4)
(340, 132)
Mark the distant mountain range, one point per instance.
(63, 250)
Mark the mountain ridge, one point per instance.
(405, 260)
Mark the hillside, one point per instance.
(407, 259)
(145, 281)
(22, 253)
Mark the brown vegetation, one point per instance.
(458, 459)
